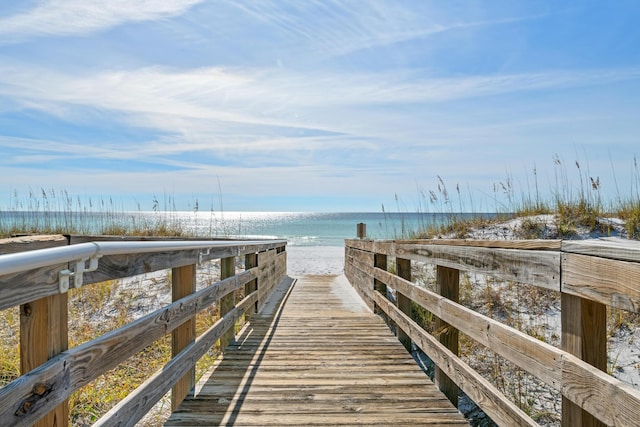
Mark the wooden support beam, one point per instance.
(183, 284)
(584, 334)
(43, 335)
(251, 261)
(403, 269)
(447, 285)
(361, 230)
(380, 261)
(43, 323)
(227, 302)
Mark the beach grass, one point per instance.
(575, 201)
(50, 211)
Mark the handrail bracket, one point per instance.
(203, 254)
(79, 267)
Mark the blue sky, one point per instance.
(343, 105)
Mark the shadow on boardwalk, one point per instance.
(322, 358)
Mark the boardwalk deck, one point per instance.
(322, 358)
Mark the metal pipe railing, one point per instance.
(24, 261)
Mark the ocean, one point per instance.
(299, 228)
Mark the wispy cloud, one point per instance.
(343, 27)
(211, 116)
(78, 17)
(206, 99)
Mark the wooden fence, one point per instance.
(589, 275)
(51, 372)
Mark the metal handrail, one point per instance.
(24, 261)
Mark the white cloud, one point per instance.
(68, 17)
(269, 97)
(247, 113)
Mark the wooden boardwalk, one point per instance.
(320, 358)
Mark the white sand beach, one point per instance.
(314, 260)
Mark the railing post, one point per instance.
(380, 261)
(361, 230)
(584, 335)
(183, 281)
(403, 270)
(44, 334)
(227, 302)
(251, 261)
(447, 285)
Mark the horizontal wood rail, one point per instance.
(30, 272)
(589, 275)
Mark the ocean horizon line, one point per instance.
(299, 228)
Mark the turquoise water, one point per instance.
(319, 229)
(299, 228)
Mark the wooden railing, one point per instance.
(35, 273)
(589, 275)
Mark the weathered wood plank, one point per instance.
(379, 262)
(540, 268)
(605, 247)
(30, 397)
(276, 366)
(281, 264)
(530, 354)
(584, 334)
(183, 284)
(119, 266)
(530, 244)
(352, 418)
(21, 288)
(374, 246)
(251, 261)
(338, 393)
(447, 286)
(403, 269)
(227, 302)
(611, 282)
(608, 399)
(43, 335)
(386, 246)
(484, 394)
(535, 267)
(268, 275)
(362, 256)
(260, 406)
(131, 409)
(30, 243)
